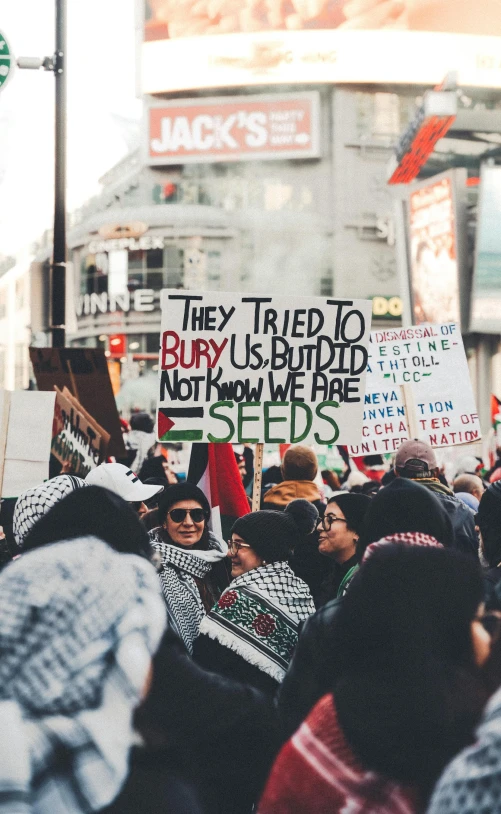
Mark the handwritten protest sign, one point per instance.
(417, 380)
(252, 369)
(76, 438)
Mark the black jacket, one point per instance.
(211, 655)
(210, 738)
(462, 518)
(308, 676)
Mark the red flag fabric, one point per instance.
(214, 470)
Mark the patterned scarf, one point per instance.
(79, 624)
(403, 538)
(258, 617)
(185, 608)
(316, 771)
(34, 503)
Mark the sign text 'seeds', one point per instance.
(252, 369)
(430, 360)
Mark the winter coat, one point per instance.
(278, 497)
(217, 740)
(462, 518)
(308, 677)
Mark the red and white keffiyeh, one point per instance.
(403, 538)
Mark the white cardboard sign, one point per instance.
(26, 420)
(254, 369)
(430, 361)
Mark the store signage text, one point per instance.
(235, 129)
(132, 244)
(90, 304)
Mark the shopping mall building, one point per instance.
(264, 167)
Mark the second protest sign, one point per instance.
(253, 369)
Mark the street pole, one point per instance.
(58, 267)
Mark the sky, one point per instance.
(101, 94)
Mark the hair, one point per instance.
(373, 460)
(467, 483)
(405, 506)
(354, 507)
(142, 422)
(407, 690)
(176, 493)
(91, 512)
(152, 468)
(331, 479)
(416, 471)
(299, 463)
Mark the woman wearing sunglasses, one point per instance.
(193, 572)
(251, 632)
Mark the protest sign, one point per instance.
(418, 385)
(25, 436)
(84, 371)
(251, 369)
(76, 438)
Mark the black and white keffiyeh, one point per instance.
(185, 609)
(79, 624)
(34, 503)
(258, 617)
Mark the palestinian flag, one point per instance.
(214, 470)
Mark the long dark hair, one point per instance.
(92, 512)
(407, 690)
(174, 494)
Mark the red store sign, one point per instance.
(235, 129)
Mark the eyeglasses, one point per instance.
(328, 519)
(179, 515)
(234, 546)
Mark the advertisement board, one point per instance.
(251, 369)
(234, 129)
(197, 44)
(435, 248)
(486, 289)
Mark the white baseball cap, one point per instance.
(123, 481)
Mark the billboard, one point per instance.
(234, 128)
(194, 44)
(486, 289)
(435, 248)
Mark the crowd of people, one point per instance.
(338, 653)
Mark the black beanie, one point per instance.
(404, 506)
(489, 510)
(272, 534)
(181, 491)
(354, 508)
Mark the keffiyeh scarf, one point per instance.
(34, 503)
(316, 771)
(258, 617)
(403, 538)
(185, 609)
(79, 624)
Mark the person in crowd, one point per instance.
(338, 535)
(332, 484)
(125, 483)
(157, 467)
(299, 469)
(92, 512)
(251, 632)
(239, 458)
(373, 467)
(469, 484)
(355, 481)
(140, 439)
(194, 571)
(187, 712)
(402, 513)
(488, 520)
(406, 693)
(32, 504)
(79, 624)
(416, 460)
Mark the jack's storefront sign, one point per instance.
(253, 369)
(234, 129)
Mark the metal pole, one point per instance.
(58, 281)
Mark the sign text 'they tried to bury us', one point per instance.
(255, 369)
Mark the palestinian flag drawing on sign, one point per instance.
(169, 417)
(214, 470)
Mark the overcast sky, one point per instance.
(101, 86)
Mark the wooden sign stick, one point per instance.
(410, 410)
(258, 478)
